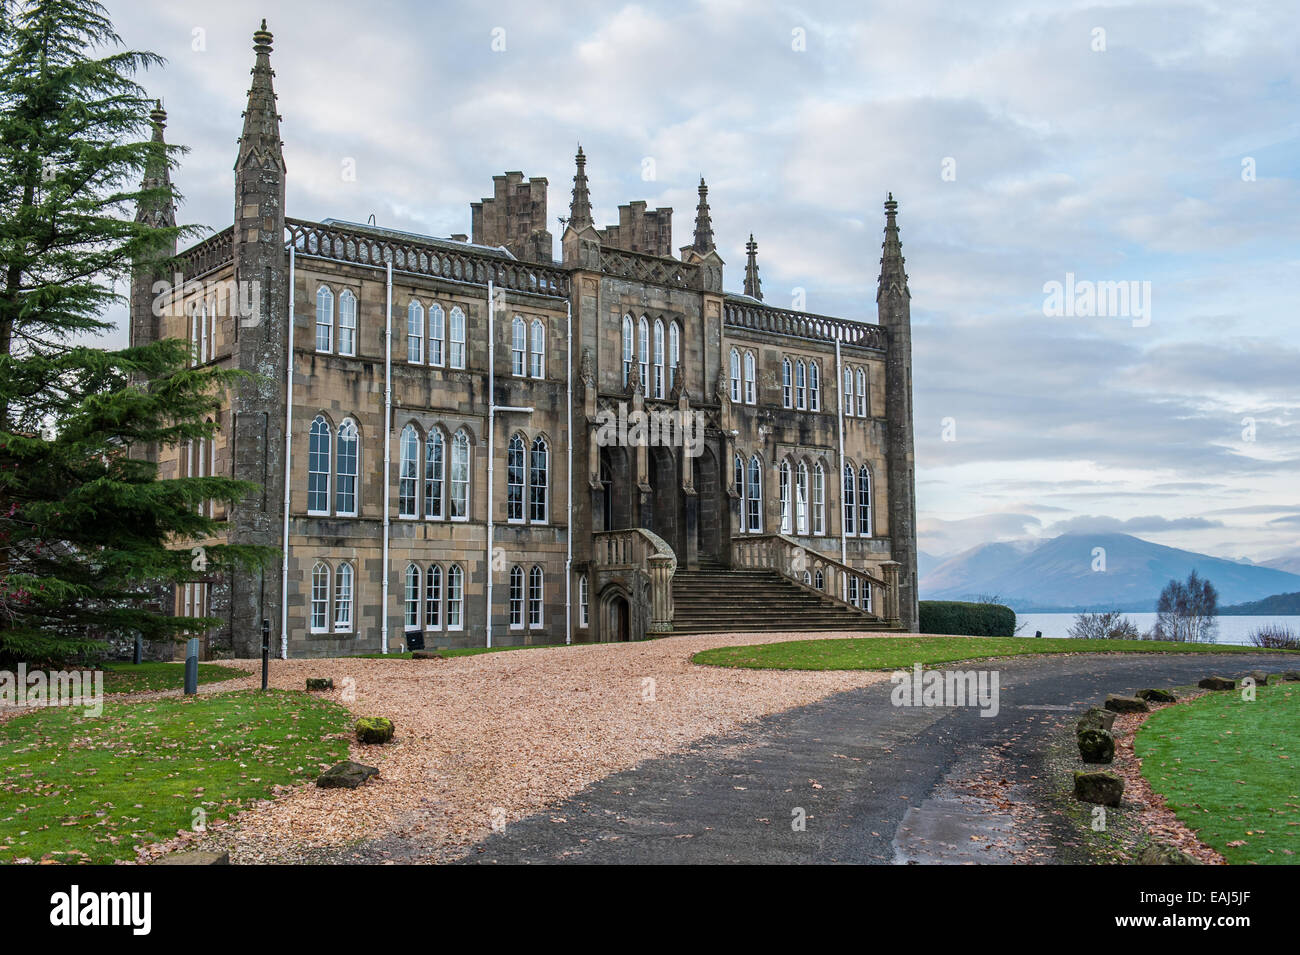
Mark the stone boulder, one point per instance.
(1096, 746)
(194, 858)
(1217, 683)
(1291, 676)
(1096, 718)
(1105, 789)
(346, 775)
(1152, 695)
(1158, 853)
(1259, 676)
(1126, 704)
(374, 729)
(426, 655)
(320, 683)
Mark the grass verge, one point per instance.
(147, 677)
(1228, 770)
(893, 653)
(90, 789)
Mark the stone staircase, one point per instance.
(715, 600)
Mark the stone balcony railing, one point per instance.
(634, 552)
(783, 321)
(791, 559)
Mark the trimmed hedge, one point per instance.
(958, 618)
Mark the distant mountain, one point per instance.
(1288, 562)
(1057, 575)
(927, 562)
(1279, 605)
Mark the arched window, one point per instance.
(850, 499)
(735, 375)
(738, 481)
(627, 349)
(750, 394)
(537, 355)
(814, 386)
(674, 354)
(659, 358)
(516, 598)
(408, 473)
(515, 480)
(535, 598)
(584, 604)
(538, 472)
(415, 331)
(320, 597)
(436, 330)
(345, 493)
(864, 502)
(433, 598)
(412, 595)
(800, 385)
(801, 499)
(846, 393)
(455, 597)
(324, 319)
(456, 350)
(347, 323)
(852, 595)
(318, 467)
(434, 471)
(861, 378)
(517, 345)
(785, 383)
(196, 354)
(819, 580)
(754, 496)
(643, 354)
(819, 499)
(459, 478)
(343, 599)
(205, 340)
(785, 497)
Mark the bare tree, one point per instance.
(1187, 612)
(1111, 625)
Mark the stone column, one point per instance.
(661, 592)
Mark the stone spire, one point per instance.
(753, 287)
(703, 224)
(157, 211)
(261, 137)
(580, 207)
(893, 275)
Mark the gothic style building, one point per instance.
(448, 434)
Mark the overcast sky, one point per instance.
(1139, 142)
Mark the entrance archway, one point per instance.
(708, 486)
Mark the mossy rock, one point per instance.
(1096, 718)
(320, 683)
(1126, 704)
(1217, 683)
(1291, 676)
(1096, 746)
(1153, 695)
(374, 729)
(346, 775)
(1259, 676)
(1159, 853)
(1102, 788)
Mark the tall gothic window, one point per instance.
(320, 597)
(516, 598)
(846, 393)
(345, 499)
(801, 499)
(584, 603)
(538, 468)
(517, 346)
(750, 394)
(627, 349)
(754, 496)
(324, 319)
(343, 599)
(659, 358)
(347, 323)
(674, 354)
(434, 471)
(456, 350)
(819, 499)
(535, 598)
(735, 376)
(455, 597)
(785, 497)
(433, 598)
(861, 378)
(800, 385)
(537, 353)
(864, 502)
(408, 469)
(643, 354)
(785, 383)
(411, 604)
(460, 476)
(436, 332)
(738, 479)
(318, 467)
(814, 386)
(850, 500)
(415, 332)
(515, 480)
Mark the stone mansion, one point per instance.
(446, 432)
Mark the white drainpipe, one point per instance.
(288, 453)
(388, 441)
(568, 533)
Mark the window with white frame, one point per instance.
(754, 496)
(324, 319)
(643, 354)
(818, 499)
(659, 358)
(785, 497)
(518, 345)
(433, 598)
(460, 476)
(864, 502)
(434, 470)
(846, 393)
(584, 605)
(800, 385)
(738, 481)
(674, 354)
(516, 598)
(455, 597)
(320, 597)
(411, 605)
(408, 471)
(814, 386)
(415, 332)
(318, 467)
(537, 349)
(515, 480)
(345, 492)
(735, 376)
(750, 392)
(343, 580)
(437, 329)
(535, 598)
(801, 499)
(860, 376)
(850, 500)
(786, 393)
(538, 473)
(347, 323)
(628, 356)
(456, 348)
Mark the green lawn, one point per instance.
(1229, 770)
(89, 789)
(138, 678)
(894, 653)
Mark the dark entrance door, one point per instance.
(708, 487)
